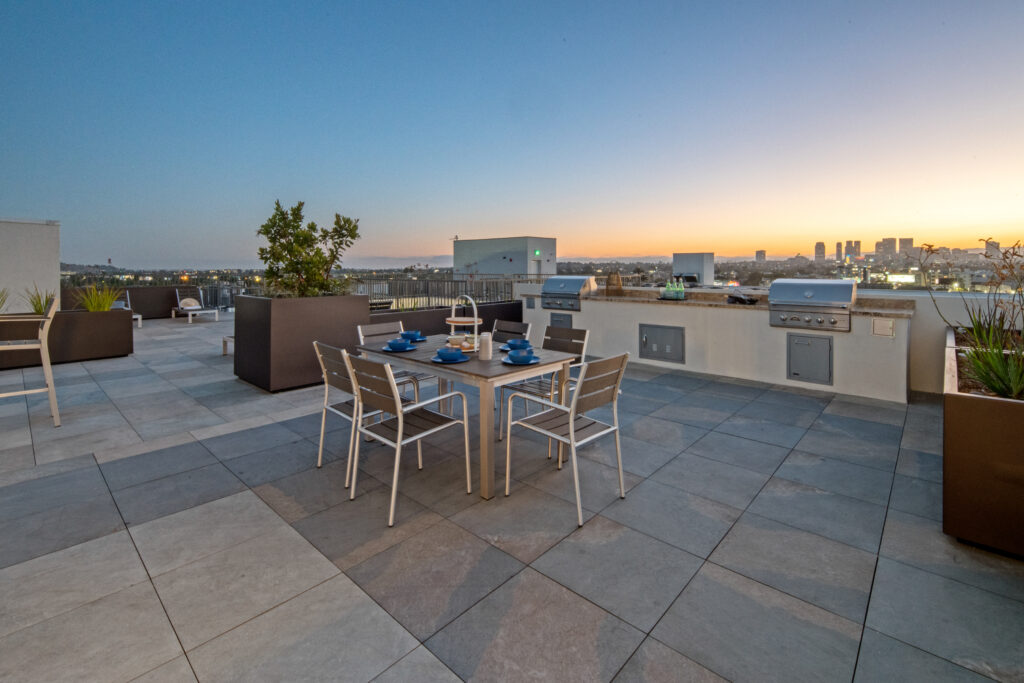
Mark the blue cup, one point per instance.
(518, 343)
(398, 344)
(520, 356)
(411, 335)
(446, 353)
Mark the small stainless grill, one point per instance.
(812, 304)
(563, 292)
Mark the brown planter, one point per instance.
(274, 337)
(74, 336)
(983, 465)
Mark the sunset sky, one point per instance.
(160, 134)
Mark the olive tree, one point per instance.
(299, 258)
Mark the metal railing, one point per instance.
(408, 294)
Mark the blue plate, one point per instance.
(438, 359)
(533, 361)
(504, 347)
(391, 350)
(418, 339)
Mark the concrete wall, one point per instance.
(505, 256)
(29, 255)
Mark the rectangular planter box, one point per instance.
(983, 465)
(74, 336)
(274, 337)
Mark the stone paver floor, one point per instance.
(175, 528)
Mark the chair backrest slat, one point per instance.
(332, 362)
(507, 329)
(566, 339)
(599, 383)
(376, 385)
(394, 327)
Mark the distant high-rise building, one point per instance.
(856, 248)
(839, 251)
(849, 251)
(760, 256)
(819, 251)
(906, 244)
(886, 247)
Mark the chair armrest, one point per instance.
(423, 404)
(536, 399)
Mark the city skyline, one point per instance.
(160, 135)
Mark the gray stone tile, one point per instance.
(117, 637)
(309, 425)
(849, 448)
(354, 531)
(638, 457)
(276, 462)
(700, 409)
(655, 662)
(251, 440)
(783, 413)
(30, 497)
(524, 524)
(640, 405)
(763, 430)
(421, 666)
(676, 517)
(633, 576)
(220, 591)
(979, 630)
(17, 458)
(685, 382)
(919, 542)
(848, 520)
(331, 632)
(57, 528)
(917, 496)
(533, 628)
(178, 670)
(144, 467)
(311, 491)
(864, 430)
(885, 412)
(85, 444)
(427, 581)
(924, 437)
(744, 630)
(734, 450)
(52, 584)
(46, 470)
(837, 476)
(663, 432)
(735, 486)
(176, 540)
(884, 659)
(920, 464)
(660, 393)
(599, 484)
(195, 418)
(150, 500)
(823, 572)
(439, 486)
(796, 398)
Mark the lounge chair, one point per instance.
(193, 305)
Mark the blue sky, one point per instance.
(160, 134)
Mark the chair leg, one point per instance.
(576, 483)
(323, 424)
(465, 434)
(51, 390)
(353, 436)
(394, 485)
(508, 449)
(419, 454)
(353, 467)
(618, 457)
(501, 413)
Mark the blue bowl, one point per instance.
(520, 355)
(398, 344)
(411, 335)
(518, 343)
(446, 353)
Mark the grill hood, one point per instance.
(569, 285)
(824, 294)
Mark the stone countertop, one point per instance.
(889, 307)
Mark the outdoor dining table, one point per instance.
(485, 375)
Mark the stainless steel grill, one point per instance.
(563, 292)
(812, 304)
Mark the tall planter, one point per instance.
(983, 465)
(274, 337)
(74, 336)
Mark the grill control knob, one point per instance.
(807, 318)
(782, 317)
(833, 321)
(821, 320)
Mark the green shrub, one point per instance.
(93, 299)
(299, 259)
(38, 301)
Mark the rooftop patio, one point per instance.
(175, 528)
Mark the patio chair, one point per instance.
(193, 305)
(376, 390)
(126, 305)
(598, 385)
(555, 339)
(382, 332)
(41, 342)
(506, 329)
(336, 375)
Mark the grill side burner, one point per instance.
(811, 304)
(563, 292)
